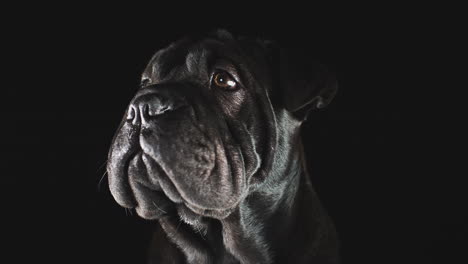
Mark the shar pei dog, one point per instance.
(210, 150)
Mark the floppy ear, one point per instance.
(304, 83)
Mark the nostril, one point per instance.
(150, 106)
(158, 110)
(145, 110)
(131, 114)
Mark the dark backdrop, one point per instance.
(75, 70)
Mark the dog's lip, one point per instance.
(218, 213)
(172, 183)
(163, 182)
(119, 181)
(149, 213)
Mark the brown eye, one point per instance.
(224, 80)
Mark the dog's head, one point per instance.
(201, 133)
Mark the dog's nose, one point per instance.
(149, 105)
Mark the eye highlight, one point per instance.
(224, 80)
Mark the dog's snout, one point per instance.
(150, 105)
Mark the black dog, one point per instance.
(210, 148)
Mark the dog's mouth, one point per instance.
(156, 195)
(188, 172)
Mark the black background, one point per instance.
(373, 153)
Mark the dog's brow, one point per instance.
(166, 59)
(196, 60)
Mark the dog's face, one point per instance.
(201, 131)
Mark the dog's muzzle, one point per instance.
(151, 107)
(170, 151)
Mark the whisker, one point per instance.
(102, 165)
(180, 222)
(100, 181)
(159, 208)
(103, 175)
(200, 232)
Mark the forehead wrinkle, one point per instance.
(195, 56)
(155, 66)
(168, 58)
(197, 61)
(192, 59)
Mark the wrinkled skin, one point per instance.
(220, 169)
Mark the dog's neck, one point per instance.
(265, 217)
(272, 225)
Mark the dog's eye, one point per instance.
(224, 80)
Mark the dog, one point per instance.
(210, 149)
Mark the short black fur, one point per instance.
(223, 171)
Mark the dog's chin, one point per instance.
(183, 212)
